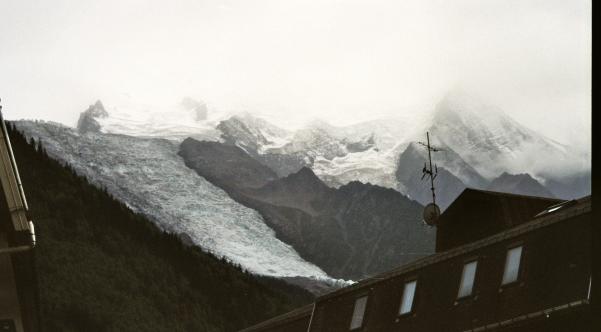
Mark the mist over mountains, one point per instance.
(318, 202)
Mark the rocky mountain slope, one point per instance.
(351, 232)
(227, 165)
(519, 184)
(409, 174)
(574, 185)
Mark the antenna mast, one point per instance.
(431, 211)
(432, 173)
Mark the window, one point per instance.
(358, 312)
(407, 299)
(512, 265)
(467, 279)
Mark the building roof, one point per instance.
(10, 183)
(507, 200)
(476, 214)
(577, 207)
(283, 319)
(14, 222)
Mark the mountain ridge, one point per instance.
(338, 229)
(523, 184)
(482, 137)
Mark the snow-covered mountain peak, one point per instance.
(490, 140)
(467, 104)
(485, 122)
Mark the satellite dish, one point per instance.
(431, 214)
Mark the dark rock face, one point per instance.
(409, 174)
(226, 166)
(302, 190)
(283, 164)
(376, 229)
(351, 232)
(361, 145)
(448, 187)
(87, 120)
(522, 184)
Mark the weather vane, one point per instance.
(431, 211)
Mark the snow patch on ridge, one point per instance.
(370, 166)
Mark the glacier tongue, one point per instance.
(149, 176)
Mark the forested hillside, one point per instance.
(102, 267)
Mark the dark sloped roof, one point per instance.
(522, 207)
(10, 183)
(476, 214)
(282, 319)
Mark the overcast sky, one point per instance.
(344, 61)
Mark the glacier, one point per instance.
(149, 176)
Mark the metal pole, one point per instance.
(431, 170)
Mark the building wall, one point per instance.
(555, 270)
(10, 308)
(18, 283)
(26, 282)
